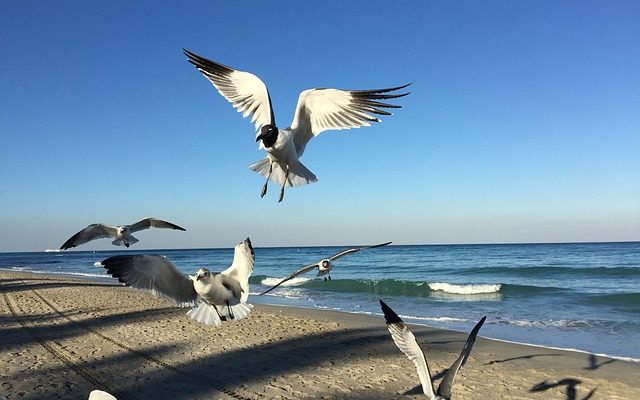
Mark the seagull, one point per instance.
(122, 234)
(214, 297)
(318, 110)
(324, 266)
(406, 342)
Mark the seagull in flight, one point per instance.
(324, 266)
(122, 234)
(318, 110)
(214, 297)
(406, 342)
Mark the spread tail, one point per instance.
(298, 174)
(240, 310)
(119, 242)
(205, 314)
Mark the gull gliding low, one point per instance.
(324, 266)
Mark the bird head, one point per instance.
(268, 135)
(202, 273)
(325, 263)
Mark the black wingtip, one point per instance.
(389, 314)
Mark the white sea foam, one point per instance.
(292, 282)
(435, 319)
(35, 271)
(97, 264)
(464, 289)
(559, 323)
(52, 251)
(629, 359)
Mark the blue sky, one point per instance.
(523, 124)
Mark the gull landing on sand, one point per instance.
(214, 297)
(318, 110)
(324, 266)
(406, 342)
(122, 234)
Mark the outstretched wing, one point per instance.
(154, 273)
(355, 249)
(153, 223)
(319, 110)
(91, 232)
(406, 342)
(242, 266)
(447, 382)
(245, 91)
(298, 272)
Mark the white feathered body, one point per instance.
(213, 291)
(281, 155)
(224, 293)
(324, 270)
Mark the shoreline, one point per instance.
(107, 280)
(69, 336)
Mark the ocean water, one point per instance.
(582, 296)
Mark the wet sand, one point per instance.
(60, 338)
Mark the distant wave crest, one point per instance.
(268, 281)
(551, 271)
(386, 287)
(464, 289)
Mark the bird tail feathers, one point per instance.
(298, 174)
(205, 314)
(120, 242)
(240, 310)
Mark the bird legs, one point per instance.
(230, 311)
(222, 317)
(264, 187)
(286, 178)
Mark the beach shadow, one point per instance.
(52, 284)
(593, 362)
(47, 329)
(570, 383)
(530, 356)
(414, 391)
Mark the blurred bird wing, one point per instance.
(91, 232)
(324, 109)
(241, 267)
(100, 395)
(355, 249)
(298, 272)
(406, 342)
(153, 223)
(154, 273)
(245, 91)
(446, 385)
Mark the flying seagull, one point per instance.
(406, 342)
(122, 234)
(318, 110)
(214, 297)
(324, 266)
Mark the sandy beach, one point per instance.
(61, 338)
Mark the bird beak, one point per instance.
(260, 136)
(198, 277)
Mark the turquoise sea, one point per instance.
(583, 296)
